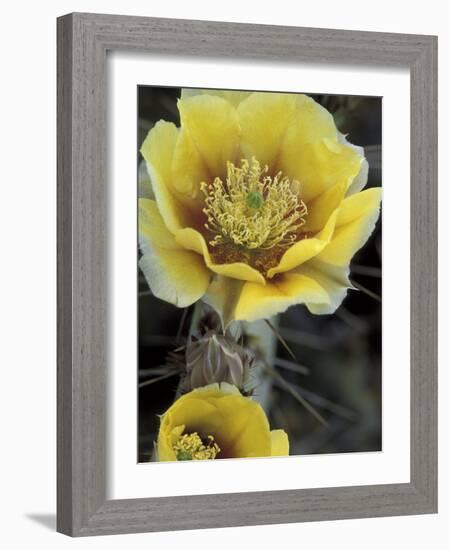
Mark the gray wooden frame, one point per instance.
(83, 40)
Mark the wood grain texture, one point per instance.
(83, 40)
(64, 277)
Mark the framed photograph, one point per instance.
(247, 282)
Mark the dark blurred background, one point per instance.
(341, 352)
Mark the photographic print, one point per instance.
(259, 274)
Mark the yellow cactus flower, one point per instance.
(217, 421)
(258, 205)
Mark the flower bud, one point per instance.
(216, 358)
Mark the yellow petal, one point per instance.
(175, 275)
(318, 166)
(356, 219)
(217, 389)
(225, 387)
(235, 97)
(311, 123)
(191, 415)
(144, 189)
(360, 180)
(157, 150)
(212, 124)
(165, 442)
(305, 249)
(197, 414)
(263, 301)
(264, 118)
(245, 429)
(193, 240)
(279, 443)
(188, 170)
(333, 279)
(320, 209)
(238, 424)
(152, 228)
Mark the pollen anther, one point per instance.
(192, 447)
(252, 209)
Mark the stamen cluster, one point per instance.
(252, 209)
(192, 447)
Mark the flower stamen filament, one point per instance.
(253, 210)
(192, 447)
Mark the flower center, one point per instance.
(253, 210)
(192, 447)
(254, 200)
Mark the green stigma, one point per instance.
(183, 455)
(254, 200)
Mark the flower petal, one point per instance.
(193, 240)
(312, 123)
(144, 189)
(305, 249)
(279, 443)
(175, 275)
(356, 219)
(245, 431)
(212, 124)
(196, 413)
(333, 279)
(262, 301)
(238, 424)
(165, 443)
(157, 150)
(318, 166)
(235, 97)
(320, 209)
(360, 180)
(264, 118)
(188, 171)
